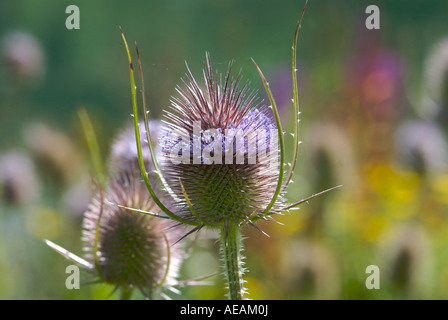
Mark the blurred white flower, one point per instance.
(18, 181)
(420, 145)
(24, 54)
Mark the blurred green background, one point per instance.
(374, 113)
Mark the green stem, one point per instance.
(231, 247)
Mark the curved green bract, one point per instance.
(142, 211)
(280, 136)
(69, 255)
(148, 134)
(306, 199)
(295, 100)
(97, 234)
(138, 142)
(168, 261)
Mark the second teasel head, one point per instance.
(134, 251)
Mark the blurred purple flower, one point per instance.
(377, 74)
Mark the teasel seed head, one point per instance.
(226, 124)
(134, 251)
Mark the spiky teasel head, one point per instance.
(133, 251)
(216, 145)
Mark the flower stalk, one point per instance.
(231, 251)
